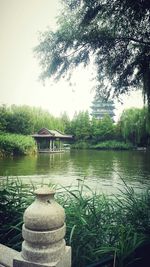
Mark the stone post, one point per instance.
(43, 233)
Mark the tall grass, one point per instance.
(14, 198)
(97, 225)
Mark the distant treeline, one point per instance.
(132, 129)
(18, 122)
(27, 120)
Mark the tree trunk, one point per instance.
(146, 80)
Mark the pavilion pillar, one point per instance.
(50, 145)
(53, 145)
(59, 145)
(38, 144)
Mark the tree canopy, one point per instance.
(115, 35)
(28, 120)
(134, 124)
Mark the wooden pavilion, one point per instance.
(50, 141)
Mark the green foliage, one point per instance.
(14, 199)
(96, 224)
(114, 34)
(80, 126)
(28, 120)
(13, 144)
(43, 119)
(134, 124)
(80, 145)
(112, 144)
(83, 129)
(19, 120)
(65, 121)
(132, 128)
(3, 118)
(103, 129)
(105, 145)
(135, 208)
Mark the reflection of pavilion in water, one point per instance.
(51, 141)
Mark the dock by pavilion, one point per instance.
(51, 141)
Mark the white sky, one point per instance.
(20, 22)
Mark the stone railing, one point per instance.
(43, 233)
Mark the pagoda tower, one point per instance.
(100, 107)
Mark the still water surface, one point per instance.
(102, 170)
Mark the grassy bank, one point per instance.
(96, 224)
(106, 145)
(15, 144)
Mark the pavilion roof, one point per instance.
(44, 132)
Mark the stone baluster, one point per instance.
(43, 233)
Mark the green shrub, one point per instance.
(106, 145)
(15, 144)
(112, 144)
(80, 145)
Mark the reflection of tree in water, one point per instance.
(133, 166)
(106, 169)
(93, 164)
(101, 169)
(52, 163)
(17, 166)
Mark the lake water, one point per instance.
(102, 171)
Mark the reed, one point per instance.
(97, 225)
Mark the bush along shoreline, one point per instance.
(97, 225)
(105, 145)
(16, 144)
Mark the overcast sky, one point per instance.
(20, 22)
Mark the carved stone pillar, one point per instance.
(43, 233)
